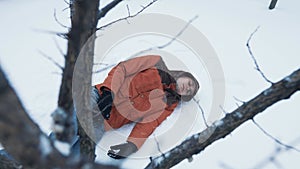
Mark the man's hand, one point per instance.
(121, 151)
(105, 102)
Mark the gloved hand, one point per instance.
(105, 102)
(122, 150)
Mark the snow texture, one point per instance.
(62, 147)
(268, 91)
(238, 114)
(45, 145)
(218, 123)
(58, 128)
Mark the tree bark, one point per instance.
(281, 90)
(23, 140)
(272, 4)
(83, 26)
(8, 163)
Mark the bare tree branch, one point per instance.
(272, 158)
(223, 110)
(202, 111)
(253, 58)
(83, 26)
(23, 139)
(281, 90)
(239, 100)
(7, 163)
(157, 145)
(275, 139)
(102, 12)
(59, 48)
(51, 60)
(59, 34)
(272, 4)
(151, 48)
(169, 42)
(56, 19)
(225, 166)
(127, 17)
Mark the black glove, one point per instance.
(122, 150)
(105, 102)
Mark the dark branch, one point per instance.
(179, 33)
(281, 90)
(56, 19)
(6, 162)
(158, 146)
(202, 111)
(275, 139)
(169, 42)
(253, 58)
(155, 47)
(23, 139)
(272, 4)
(239, 100)
(129, 16)
(51, 60)
(273, 155)
(59, 49)
(102, 12)
(59, 34)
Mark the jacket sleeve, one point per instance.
(127, 68)
(142, 131)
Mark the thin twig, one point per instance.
(101, 64)
(128, 11)
(103, 11)
(51, 60)
(224, 166)
(129, 16)
(275, 139)
(253, 58)
(59, 34)
(158, 146)
(59, 48)
(169, 42)
(239, 100)
(272, 157)
(223, 110)
(56, 19)
(179, 33)
(202, 112)
(149, 49)
(67, 2)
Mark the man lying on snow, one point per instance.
(143, 91)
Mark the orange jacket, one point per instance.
(138, 97)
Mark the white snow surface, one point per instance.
(45, 145)
(27, 28)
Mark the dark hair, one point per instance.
(169, 77)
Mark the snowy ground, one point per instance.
(226, 24)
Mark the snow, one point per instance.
(268, 91)
(218, 123)
(288, 79)
(62, 147)
(87, 166)
(58, 128)
(45, 145)
(238, 114)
